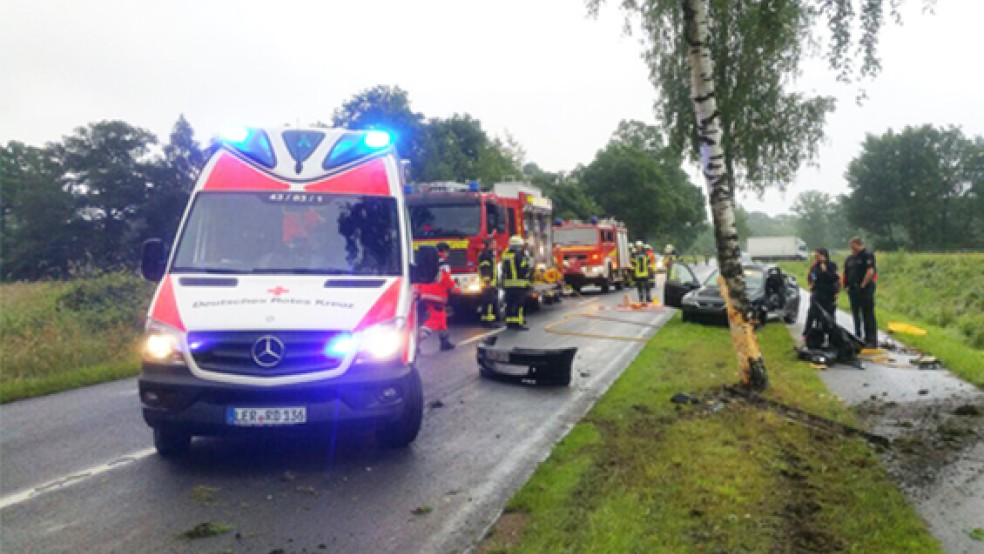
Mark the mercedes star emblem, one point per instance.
(268, 351)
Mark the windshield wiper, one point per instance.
(215, 270)
(300, 271)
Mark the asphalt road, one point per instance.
(78, 472)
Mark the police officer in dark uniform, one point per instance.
(824, 284)
(859, 279)
(488, 276)
(516, 274)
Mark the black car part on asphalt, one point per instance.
(544, 366)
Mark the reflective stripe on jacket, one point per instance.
(515, 269)
(486, 268)
(640, 266)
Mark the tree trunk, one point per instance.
(720, 188)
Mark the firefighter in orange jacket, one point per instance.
(434, 299)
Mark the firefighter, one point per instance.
(516, 274)
(652, 268)
(434, 299)
(488, 275)
(669, 256)
(641, 271)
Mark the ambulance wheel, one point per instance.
(605, 286)
(171, 442)
(789, 318)
(402, 432)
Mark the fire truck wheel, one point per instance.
(576, 289)
(402, 432)
(605, 286)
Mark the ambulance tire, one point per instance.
(605, 286)
(402, 432)
(171, 442)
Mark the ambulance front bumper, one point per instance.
(368, 393)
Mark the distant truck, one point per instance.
(777, 248)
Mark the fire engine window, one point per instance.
(608, 236)
(575, 236)
(491, 218)
(445, 220)
(511, 221)
(267, 233)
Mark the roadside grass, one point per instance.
(941, 293)
(641, 474)
(56, 335)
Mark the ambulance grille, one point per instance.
(233, 352)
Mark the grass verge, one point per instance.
(60, 335)
(641, 474)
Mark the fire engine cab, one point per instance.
(594, 253)
(464, 216)
(285, 303)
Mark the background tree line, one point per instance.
(87, 203)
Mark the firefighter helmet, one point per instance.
(668, 250)
(638, 245)
(516, 241)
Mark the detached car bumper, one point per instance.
(175, 397)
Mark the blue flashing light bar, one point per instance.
(252, 143)
(473, 186)
(407, 189)
(355, 145)
(594, 220)
(377, 139)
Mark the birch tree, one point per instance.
(723, 69)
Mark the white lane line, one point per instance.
(477, 338)
(72, 479)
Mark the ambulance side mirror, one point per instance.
(153, 260)
(425, 265)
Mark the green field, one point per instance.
(941, 293)
(62, 335)
(642, 474)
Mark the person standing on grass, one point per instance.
(824, 284)
(859, 279)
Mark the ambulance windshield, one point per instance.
(446, 220)
(285, 233)
(575, 236)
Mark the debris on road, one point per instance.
(422, 510)
(207, 529)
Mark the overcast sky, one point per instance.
(555, 79)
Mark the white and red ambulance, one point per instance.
(285, 303)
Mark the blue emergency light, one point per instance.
(355, 145)
(407, 189)
(252, 143)
(473, 186)
(340, 346)
(594, 220)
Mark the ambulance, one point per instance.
(285, 303)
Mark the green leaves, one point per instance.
(919, 189)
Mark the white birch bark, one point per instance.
(720, 191)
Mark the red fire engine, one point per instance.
(594, 253)
(463, 216)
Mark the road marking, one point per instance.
(477, 338)
(589, 301)
(73, 479)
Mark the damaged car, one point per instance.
(771, 293)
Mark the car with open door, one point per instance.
(771, 293)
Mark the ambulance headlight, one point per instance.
(474, 287)
(384, 341)
(162, 344)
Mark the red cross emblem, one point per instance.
(278, 291)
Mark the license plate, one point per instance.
(263, 417)
(498, 355)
